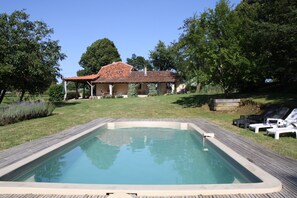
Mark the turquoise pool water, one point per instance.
(137, 156)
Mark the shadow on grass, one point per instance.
(193, 101)
(64, 104)
(279, 99)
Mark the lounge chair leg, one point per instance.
(256, 130)
(276, 136)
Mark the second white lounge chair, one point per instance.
(275, 122)
(276, 131)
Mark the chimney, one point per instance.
(145, 71)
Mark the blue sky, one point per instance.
(135, 26)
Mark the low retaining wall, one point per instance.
(224, 104)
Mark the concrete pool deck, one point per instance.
(282, 168)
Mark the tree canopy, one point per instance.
(240, 48)
(29, 58)
(272, 37)
(162, 57)
(139, 62)
(102, 52)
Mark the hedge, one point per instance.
(25, 111)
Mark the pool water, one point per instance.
(137, 156)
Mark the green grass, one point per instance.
(72, 113)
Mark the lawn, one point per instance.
(76, 112)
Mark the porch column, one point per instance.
(110, 89)
(92, 88)
(65, 89)
(172, 88)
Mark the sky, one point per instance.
(135, 26)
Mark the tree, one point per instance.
(225, 58)
(139, 62)
(162, 57)
(210, 49)
(272, 39)
(191, 51)
(29, 59)
(102, 52)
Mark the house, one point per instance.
(113, 79)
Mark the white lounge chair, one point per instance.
(275, 122)
(276, 131)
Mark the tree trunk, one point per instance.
(198, 87)
(22, 95)
(2, 94)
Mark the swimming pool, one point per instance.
(146, 158)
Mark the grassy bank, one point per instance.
(72, 113)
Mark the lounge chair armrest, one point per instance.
(273, 120)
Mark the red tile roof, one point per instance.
(115, 70)
(139, 77)
(83, 78)
(153, 76)
(123, 73)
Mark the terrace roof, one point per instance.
(120, 72)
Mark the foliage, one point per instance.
(210, 46)
(29, 57)
(25, 111)
(191, 51)
(271, 38)
(139, 62)
(226, 60)
(72, 95)
(152, 91)
(212, 89)
(162, 57)
(238, 49)
(56, 93)
(102, 52)
(132, 90)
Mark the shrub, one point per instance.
(72, 95)
(132, 90)
(25, 111)
(55, 93)
(212, 89)
(152, 91)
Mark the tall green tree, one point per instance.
(191, 51)
(29, 58)
(272, 38)
(211, 49)
(162, 57)
(102, 52)
(139, 62)
(226, 60)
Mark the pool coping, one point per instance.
(269, 184)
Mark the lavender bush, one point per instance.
(25, 111)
